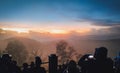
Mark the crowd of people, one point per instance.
(7, 65)
(88, 63)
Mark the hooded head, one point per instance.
(101, 53)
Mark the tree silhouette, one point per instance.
(65, 52)
(61, 46)
(35, 52)
(17, 50)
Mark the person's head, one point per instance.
(101, 53)
(6, 57)
(72, 64)
(32, 64)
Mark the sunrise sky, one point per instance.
(61, 16)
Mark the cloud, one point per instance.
(115, 30)
(104, 22)
(101, 12)
(111, 32)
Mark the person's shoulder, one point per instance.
(109, 60)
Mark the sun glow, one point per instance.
(84, 31)
(18, 30)
(58, 31)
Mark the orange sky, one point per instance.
(51, 27)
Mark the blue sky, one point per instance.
(46, 12)
(60, 10)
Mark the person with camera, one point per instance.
(99, 63)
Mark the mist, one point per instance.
(44, 44)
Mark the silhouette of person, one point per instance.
(32, 66)
(6, 63)
(72, 67)
(85, 64)
(99, 64)
(25, 68)
(102, 62)
(15, 68)
(38, 68)
(117, 63)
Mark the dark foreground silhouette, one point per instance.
(88, 63)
